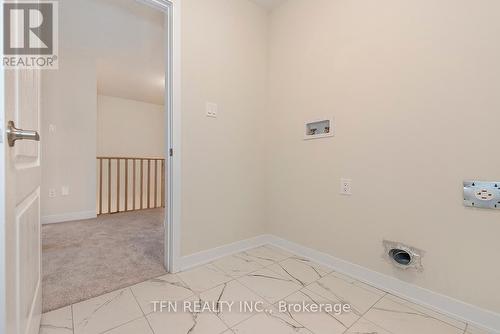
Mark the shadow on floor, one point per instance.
(87, 258)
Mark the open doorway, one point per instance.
(104, 174)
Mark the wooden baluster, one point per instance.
(133, 187)
(109, 185)
(100, 186)
(142, 183)
(156, 184)
(126, 185)
(117, 185)
(149, 183)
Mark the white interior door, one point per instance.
(22, 205)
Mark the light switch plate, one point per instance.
(481, 194)
(211, 110)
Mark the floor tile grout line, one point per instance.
(329, 299)
(217, 315)
(72, 318)
(255, 293)
(249, 289)
(226, 273)
(137, 302)
(371, 322)
(262, 296)
(238, 280)
(355, 281)
(197, 293)
(414, 309)
(289, 314)
(107, 330)
(143, 313)
(363, 315)
(125, 323)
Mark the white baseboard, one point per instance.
(446, 305)
(213, 254)
(449, 306)
(67, 217)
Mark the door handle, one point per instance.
(14, 134)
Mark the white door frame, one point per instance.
(172, 10)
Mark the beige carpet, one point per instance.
(87, 258)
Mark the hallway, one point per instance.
(87, 258)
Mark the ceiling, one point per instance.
(269, 4)
(126, 40)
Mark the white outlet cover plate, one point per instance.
(345, 186)
(481, 194)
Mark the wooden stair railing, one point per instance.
(130, 184)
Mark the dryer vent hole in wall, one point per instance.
(403, 256)
(400, 256)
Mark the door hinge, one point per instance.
(171, 152)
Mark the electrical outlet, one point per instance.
(346, 187)
(52, 192)
(481, 194)
(52, 128)
(65, 190)
(211, 110)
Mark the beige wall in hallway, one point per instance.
(413, 86)
(224, 61)
(69, 151)
(129, 128)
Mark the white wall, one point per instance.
(224, 60)
(69, 102)
(128, 128)
(413, 86)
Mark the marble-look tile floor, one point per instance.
(265, 275)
